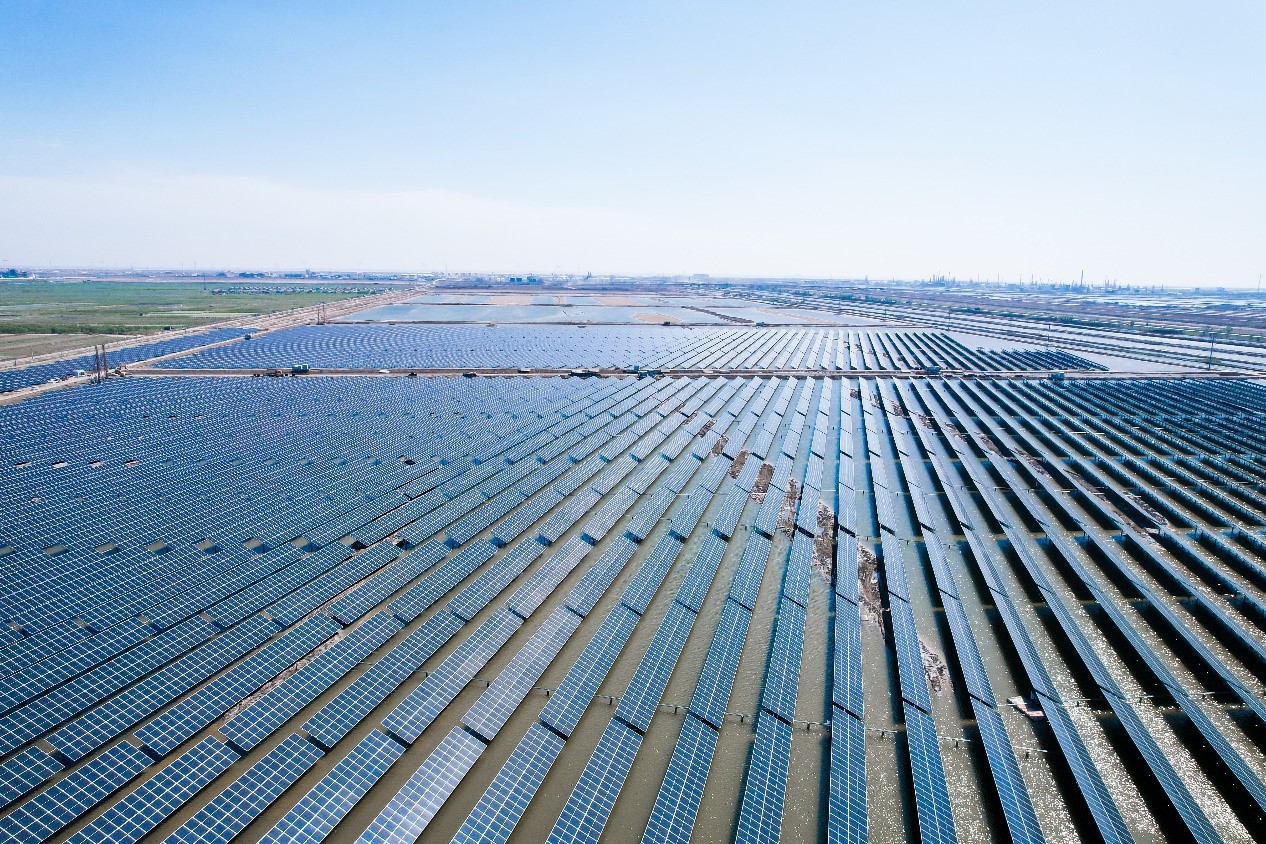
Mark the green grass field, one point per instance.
(108, 307)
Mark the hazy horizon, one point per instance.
(808, 139)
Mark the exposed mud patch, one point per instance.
(824, 543)
(936, 669)
(868, 586)
(787, 514)
(283, 676)
(718, 447)
(763, 477)
(736, 468)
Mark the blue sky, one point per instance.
(797, 138)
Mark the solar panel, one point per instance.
(250, 726)
(495, 578)
(765, 788)
(750, 570)
(846, 821)
(249, 795)
(337, 718)
(716, 680)
(673, 816)
(574, 693)
(498, 811)
(19, 775)
(641, 590)
(969, 660)
(528, 597)
(95, 728)
(409, 812)
(931, 796)
(160, 796)
(698, 580)
(42, 816)
(505, 693)
(637, 705)
(589, 806)
(731, 510)
(795, 584)
(894, 567)
(914, 686)
(181, 721)
(1017, 807)
(599, 577)
(782, 675)
(363, 598)
(846, 688)
(416, 712)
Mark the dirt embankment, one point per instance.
(763, 477)
(824, 543)
(787, 514)
(868, 586)
(936, 670)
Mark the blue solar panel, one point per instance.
(249, 795)
(750, 570)
(782, 675)
(42, 816)
(250, 726)
(1017, 807)
(914, 687)
(160, 796)
(731, 510)
(416, 712)
(337, 718)
(717, 677)
(581, 683)
(99, 725)
(498, 811)
(795, 585)
(703, 570)
(638, 704)
(19, 775)
(328, 802)
(495, 578)
(969, 660)
(894, 567)
(673, 816)
(589, 806)
(846, 821)
(846, 687)
(641, 590)
(409, 812)
(193, 713)
(595, 582)
(545, 580)
(765, 788)
(931, 795)
(505, 693)
(391, 579)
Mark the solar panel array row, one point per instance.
(344, 626)
(14, 379)
(616, 347)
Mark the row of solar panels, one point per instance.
(300, 466)
(15, 379)
(774, 742)
(619, 347)
(731, 389)
(1158, 763)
